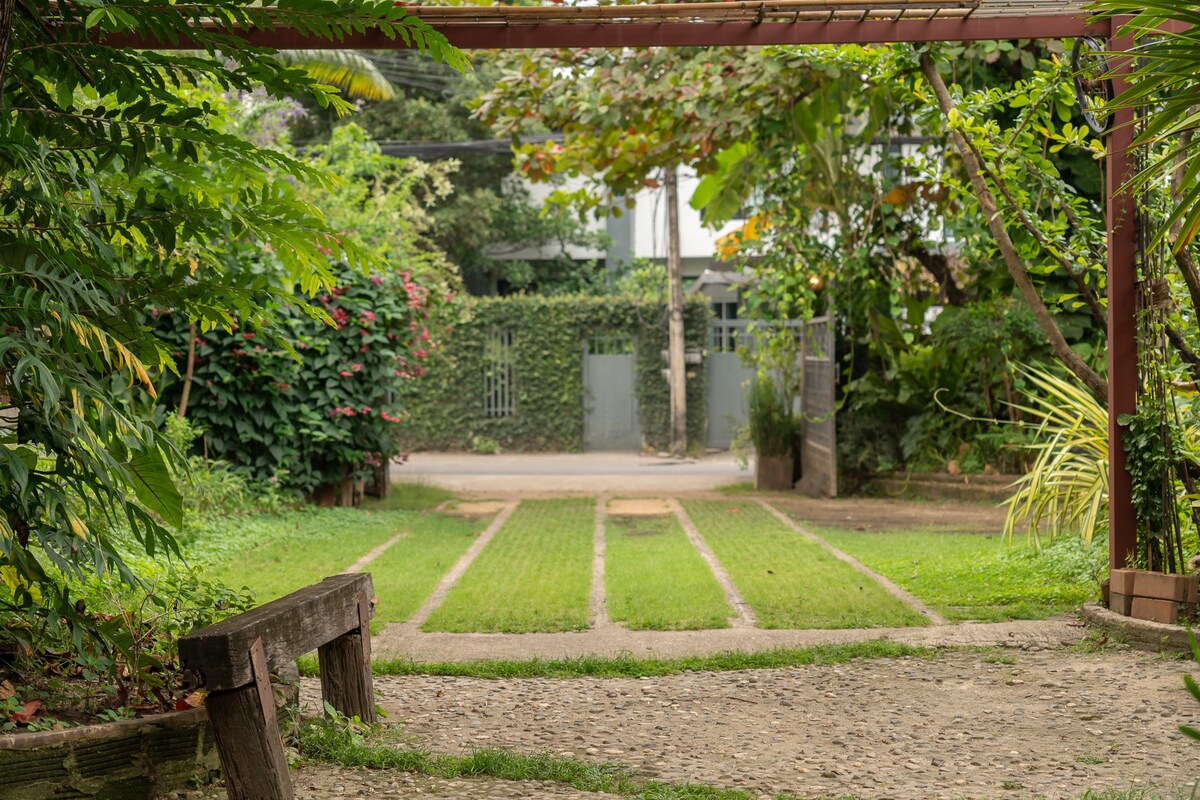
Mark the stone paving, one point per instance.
(963, 725)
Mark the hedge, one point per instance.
(446, 407)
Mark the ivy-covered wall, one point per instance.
(446, 407)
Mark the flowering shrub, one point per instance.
(313, 402)
(327, 410)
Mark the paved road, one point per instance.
(515, 475)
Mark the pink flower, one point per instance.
(356, 367)
(346, 374)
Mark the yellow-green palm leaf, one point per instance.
(352, 72)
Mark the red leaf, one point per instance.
(30, 714)
(193, 700)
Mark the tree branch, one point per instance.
(1098, 312)
(987, 204)
(1186, 353)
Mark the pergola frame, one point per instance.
(783, 22)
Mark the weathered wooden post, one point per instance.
(346, 668)
(234, 658)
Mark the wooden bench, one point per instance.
(233, 660)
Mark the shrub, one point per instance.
(319, 405)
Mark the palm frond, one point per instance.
(353, 73)
(1067, 488)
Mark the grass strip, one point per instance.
(288, 551)
(535, 575)
(374, 748)
(630, 667)
(410, 497)
(655, 580)
(788, 581)
(979, 577)
(408, 571)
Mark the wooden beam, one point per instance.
(1122, 313)
(218, 657)
(494, 36)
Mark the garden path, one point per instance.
(1017, 724)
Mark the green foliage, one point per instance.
(966, 365)
(307, 404)
(773, 428)
(121, 184)
(625, 116)
(446, 407)
(1067, 488)
(487, 218)
(319, 407)
(1163, 87)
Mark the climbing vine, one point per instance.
(446, 409)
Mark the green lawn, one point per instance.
(655, 579)
(535, 575)
(409, 570)
(980, 577)
(276, 554)
(788, 581)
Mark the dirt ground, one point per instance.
(879, 514)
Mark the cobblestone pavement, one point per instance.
(319, 782)
(963, 725)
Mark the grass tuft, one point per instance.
(630, 667)
(376, 748)
(410, 497)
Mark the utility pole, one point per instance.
(676, 369)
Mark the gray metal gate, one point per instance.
(727, 382)
(610, 420)
(819, 450)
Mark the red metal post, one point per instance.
(671, 34)
(1122, 321)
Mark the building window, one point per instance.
(724, 327)
(609, 344)
(498, 395)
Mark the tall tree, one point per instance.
(627, 119)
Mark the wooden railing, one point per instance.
(233, 660)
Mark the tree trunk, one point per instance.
(189, 372)
(6, 25)
(676, 369)
(987, 204)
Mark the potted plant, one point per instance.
(773, 429)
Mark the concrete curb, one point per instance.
(1139, 634)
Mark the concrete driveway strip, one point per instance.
(525, 474)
